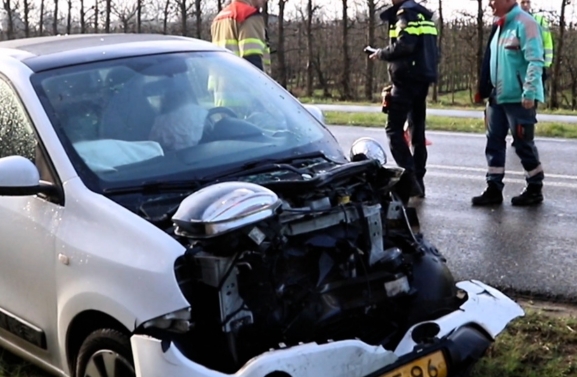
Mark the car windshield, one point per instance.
(174, 117)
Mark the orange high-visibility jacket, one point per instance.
(240, 28)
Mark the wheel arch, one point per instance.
(83, 325)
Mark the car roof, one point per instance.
(43, 53)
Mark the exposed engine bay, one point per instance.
(326, 255)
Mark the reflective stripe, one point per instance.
(420, 28)
(496, 170)
(229, 44)
(252, 46)
(534, 172)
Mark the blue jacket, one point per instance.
(514, 59)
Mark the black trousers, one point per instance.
(408, 102)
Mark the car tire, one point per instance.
(105, 353)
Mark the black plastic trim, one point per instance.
(462, 349)
(22, 329)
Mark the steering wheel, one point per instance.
(211, 119)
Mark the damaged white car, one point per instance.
(168, 210)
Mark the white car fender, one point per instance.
(115, 251)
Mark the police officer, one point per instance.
(412, 55)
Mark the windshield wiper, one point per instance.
(150, 187)
(265, 165)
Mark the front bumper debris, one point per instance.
(461, 337)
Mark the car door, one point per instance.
(28, 225)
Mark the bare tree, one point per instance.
(440, 24)
(55, 20)
(310, 48)
(69, 18)
(139, 16)
(108, 13)
(26, 18)
(371, 41)
(165, 15)
(346, 92)
(282, 71)
(96, 11)
(41, 22)
(554, 98)
(198, 14)
(480, 32)
(9, 15)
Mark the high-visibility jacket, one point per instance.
(240, 28)
(412, 53)
(547, 38)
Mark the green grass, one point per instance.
(459, 101)
(439, 123)
(537, 345)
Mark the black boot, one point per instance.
(492, 195)
(530, 195)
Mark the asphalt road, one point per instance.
(442, 112)
(528, 250)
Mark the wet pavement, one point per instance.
(528, 250)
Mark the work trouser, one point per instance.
(408, 101)
(500, 118)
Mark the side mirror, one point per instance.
(316, 112)
(18, 177)
(368, 148)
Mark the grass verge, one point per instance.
(540, 344)
(439, 123)
(533, 346)
(459, 101)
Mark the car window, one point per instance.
(16, 132)
(174, 116)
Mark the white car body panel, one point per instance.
(350, 358)
(486, 307)
(114, 251)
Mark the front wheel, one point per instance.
(105, 353)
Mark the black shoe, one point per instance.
(491, 196)
(531, 195)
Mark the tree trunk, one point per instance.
(82, 18)
(26, 19)
(198, 13)
(371, 41)
(282, 71)
(139, 16)
(440, 44)
(41, 27)
(165, 19)
(347, 93)
(96, 11)
(55, 20)
(310, 55)
(8, 9)
(554, 101)
(69, 18)
(183, 17)
(219, 5)
(108, 13)
(480, 44)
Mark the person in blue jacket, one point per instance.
(511, 81)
